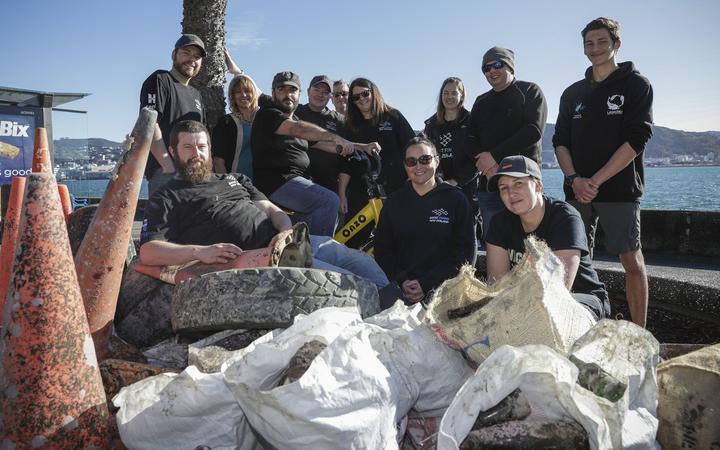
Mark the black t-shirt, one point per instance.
(219, 210)
(173, 102)
(324, 166)
(276, 158)
(562, 229)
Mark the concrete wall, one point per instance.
(681, 233)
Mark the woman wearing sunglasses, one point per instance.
(370, 119)
(447, 130)
(425, 232)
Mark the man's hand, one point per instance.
(218, 253)
(413, 291)
(585, 189)
(345, 147)
(372, 147)
(343, 202)
(485, 163)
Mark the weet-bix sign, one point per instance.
(17, 131)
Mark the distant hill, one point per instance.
(77, 149)
(665, 142)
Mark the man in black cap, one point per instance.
(604, 123)
(529, 212)
(171, 95)
(324, 167)
(509, 119)
(279, 143)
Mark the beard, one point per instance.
(193, 172)
(188, 72)
(287, 109)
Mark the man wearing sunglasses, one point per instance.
(507, 120)
(340, 94)
(604, 123)
(324, 167)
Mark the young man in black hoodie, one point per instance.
(604, 123)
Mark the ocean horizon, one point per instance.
(681, 188)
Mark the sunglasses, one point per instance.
(497, 65)
(363, 94)
(412, 161)
(340, 94)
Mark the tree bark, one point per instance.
(206, 19)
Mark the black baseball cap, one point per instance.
(286, 78)
(317, 79)
(187, 40)
(517, 166)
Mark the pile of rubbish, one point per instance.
(515, 365)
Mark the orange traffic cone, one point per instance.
(52, 394)
(9, 237)
(41, 152)
(99, 260)
(65, 200)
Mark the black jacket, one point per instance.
(595, 119)
(509, 122)
(449, 140)
(425, 237)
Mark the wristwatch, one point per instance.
(570, 178)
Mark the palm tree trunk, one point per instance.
(206, 19)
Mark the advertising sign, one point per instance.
(17, 132)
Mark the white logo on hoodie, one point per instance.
(614, 104)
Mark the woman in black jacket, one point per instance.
(425, 232)
(447, 130)
(370, 119)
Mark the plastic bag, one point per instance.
(548, 380)
(192, 408)
(356, 390)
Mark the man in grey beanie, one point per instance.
(509, 119)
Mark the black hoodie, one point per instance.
(509, 122)
(449, 140)
(596, 118)
(427, 237)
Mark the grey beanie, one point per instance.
(500, 54)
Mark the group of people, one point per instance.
(470, 174)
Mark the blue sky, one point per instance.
(408, 48)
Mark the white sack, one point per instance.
(355, 391)
(548, 380)
(181, 411)
(192, 408)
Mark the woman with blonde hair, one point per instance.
(231, 135)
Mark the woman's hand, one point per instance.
(231, 66)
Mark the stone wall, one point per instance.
(681, 233)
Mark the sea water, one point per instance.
(687, 188)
